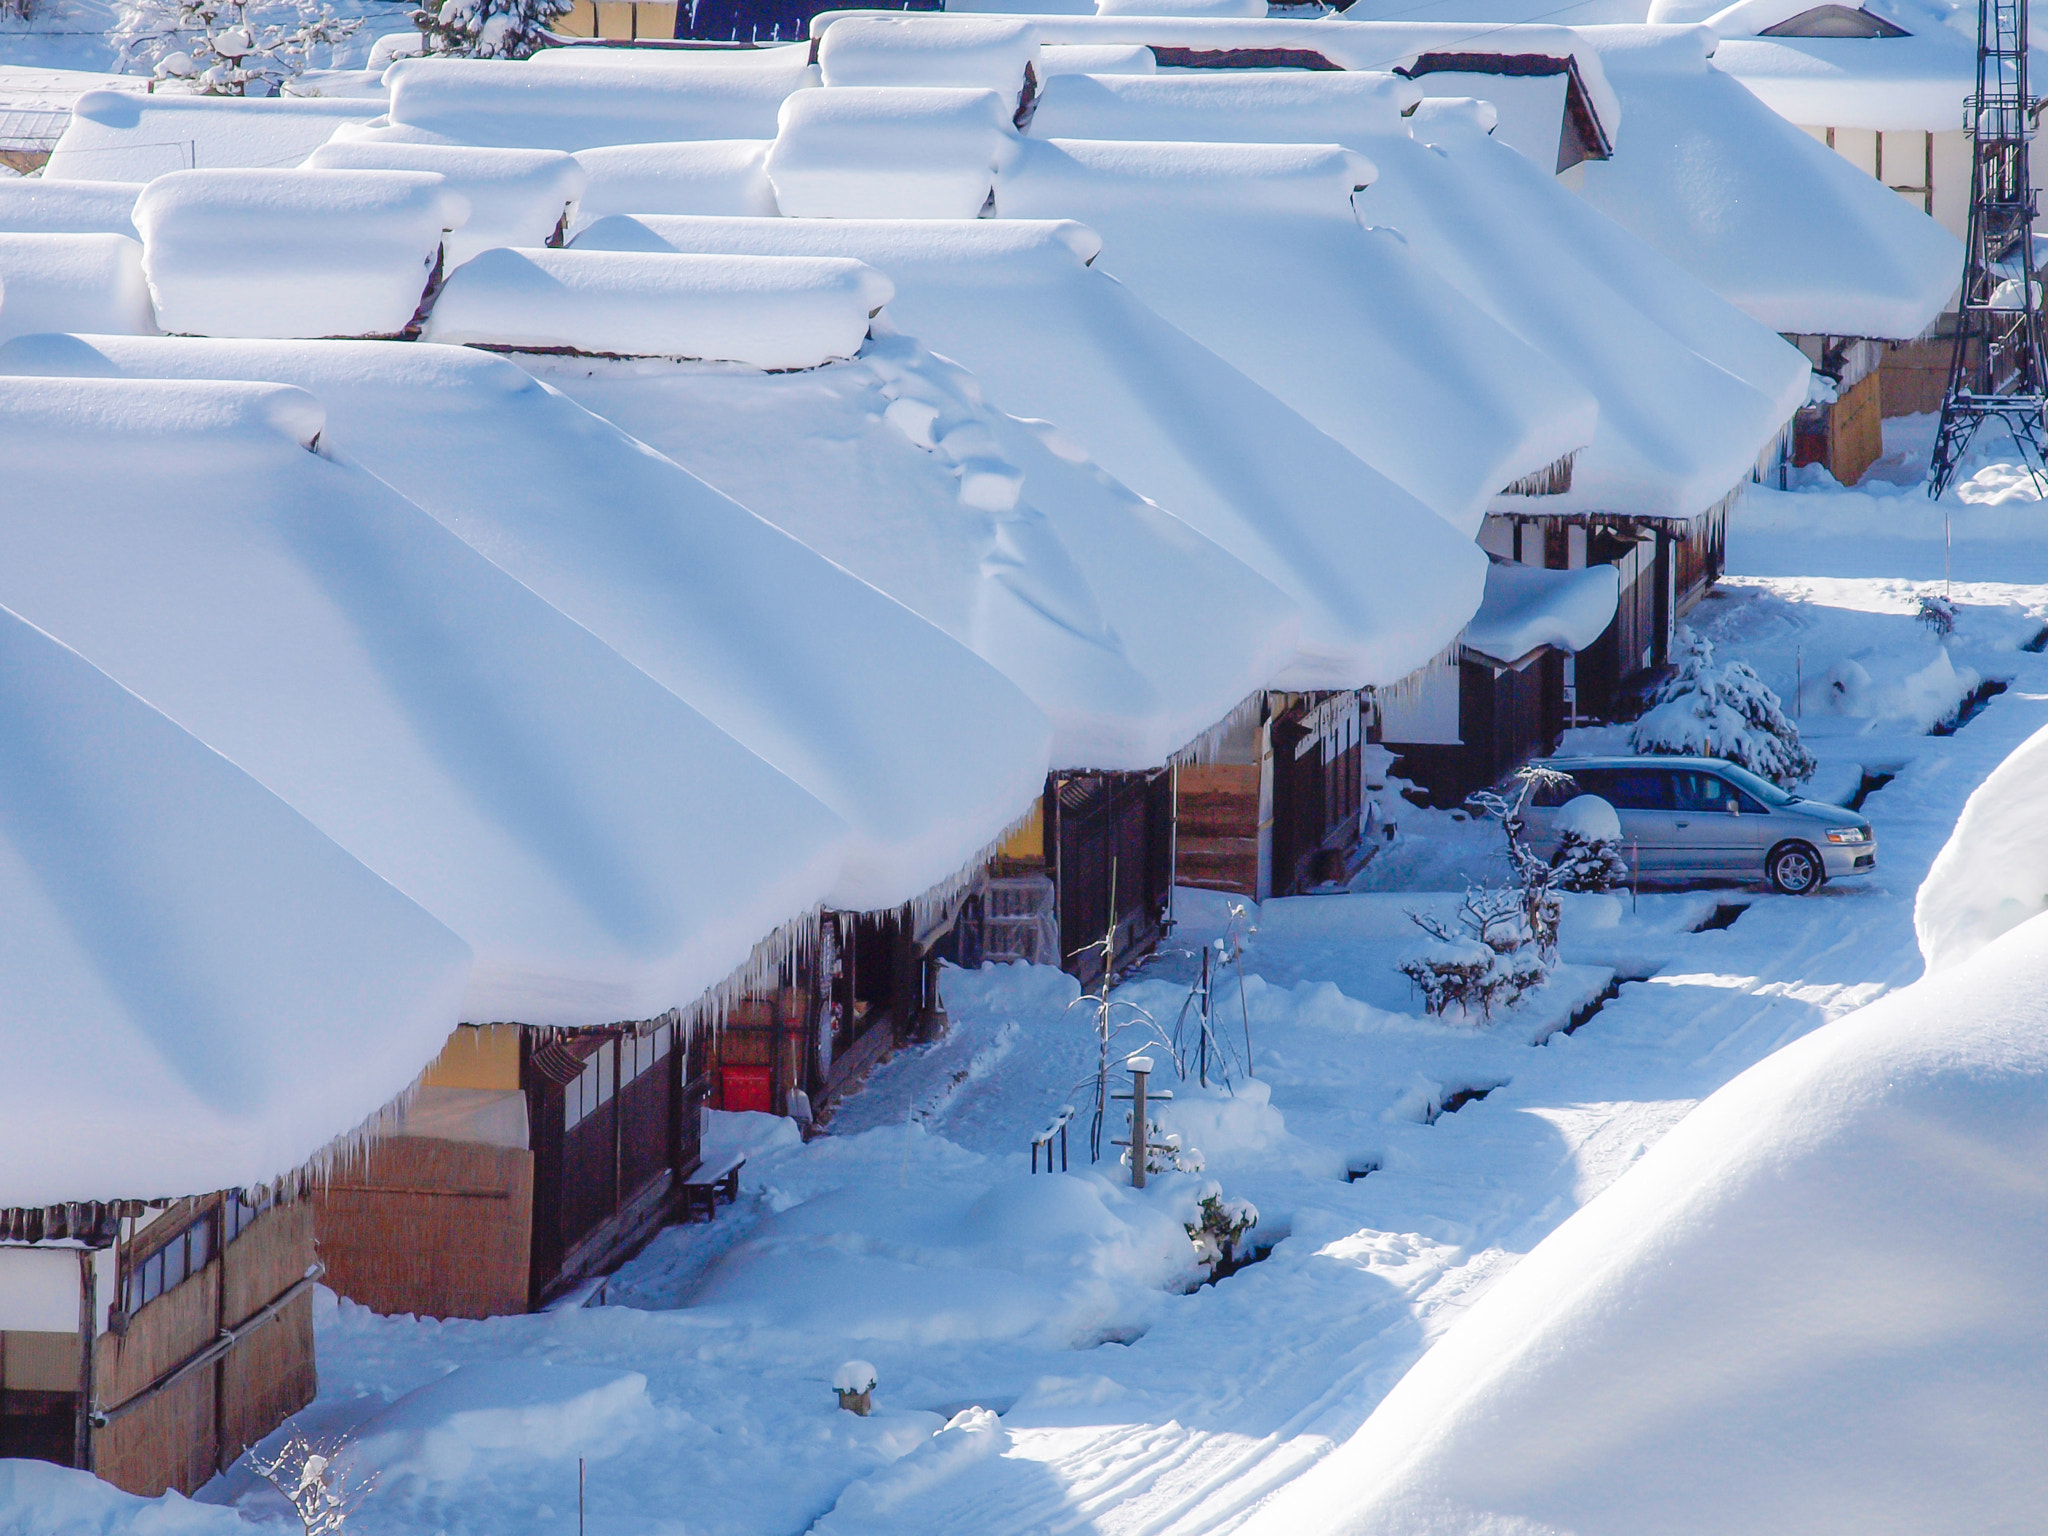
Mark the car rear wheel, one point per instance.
(1794, 869)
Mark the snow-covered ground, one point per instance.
(1046, 1358)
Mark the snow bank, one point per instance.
(711, 176)
(515, 196)
(730, 614)
(574, 104)
(198, 989)
(39, 205)
(983, 53)
(43, 1496)
(293, 253)
(1382, 584)
(1589, 816)
(1360, 337)
(1992, 875)
(1527, 608)
(923, 152)
(1813, 1306)
(770, 312)
(126, 136)
(1180, 7)
(73, 283)
(1766, 216)
(869, 1506)
(418, 705)
(1240, 106)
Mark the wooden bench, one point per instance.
(702, 1191)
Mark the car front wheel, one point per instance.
(1794, 869)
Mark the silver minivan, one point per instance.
(1703, 818)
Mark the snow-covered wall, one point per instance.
(709, 176)
(1992, 875)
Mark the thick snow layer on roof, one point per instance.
(293, 253)
(1528, 110)
(790, 60)
(1382, 583)
(43, 206)
(1180, 7)
(1993, 873)
(1096, 59)
(768, 312)
(606, 852)
(1813, 1306)
(988, 53)
(576, 105)
(1131, 631)
(1769, 218)
(122, 136)
(72, 283)
(1677, 430)
(889, 152)
(926, 751)
(198, 990)
(1256, 252)
(1886, 83)
(708, 176)
(1243, 106)
(515, 196)
(1526, 609)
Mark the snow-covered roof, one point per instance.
(1242, 106)
(1766, 216)
(606, 851)
(1527, 609)
(987, 52)
(72, 283)
(53, 206)
(925, 750)
(122, 136)
(765, 311)
(293, 252)
(572, 103)
(515, 196)
(706, 176)
(1133, 633)
(1256, 251)
(1813, 1306)
(1383, 584)
(900, 152)
(1886, 83)
(1096, 59)
(198, 990)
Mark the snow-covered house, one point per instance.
(125, 136)
(202, 999)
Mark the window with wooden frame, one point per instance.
(593, 1087)
(239, 1210)
(188, 1250)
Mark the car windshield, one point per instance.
(1757, 785)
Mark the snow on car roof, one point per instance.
(425, 710)
(1383, 584)
(126, 136)
(1527, 608)
(926, 751)
(198, 989)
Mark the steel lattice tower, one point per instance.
(1998, 368)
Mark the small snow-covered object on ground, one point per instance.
(1527, 608)
(516, 196)
(1992, 875)
(767, 311)
(1588, 856)
(73, 283)
(980, 52)
(1591, 818)
(726, 177)
(854, 1376)
(126, 136)
(293, 252)
(55, 206)
(886, 152)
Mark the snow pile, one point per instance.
(572, 105)
(1096, 59)
(710, 176)
(200, 990)
(124, 136)
(1526, 609)
(897, 152)
(43, 1496)
(72, 283)
(985, 53)
(293, 253)
(731, 615)
(1813, 1306)
(515, 196)
(40, 205)
(1992, 875)
(770, 312)
(1215, 106)
(1590, 818)
(418, 705)
(854, 1376)
(1382, 584)
(1360, 338)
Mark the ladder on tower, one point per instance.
(1998, 369)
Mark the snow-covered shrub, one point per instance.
(490, 29)
(855, 1384)
(1163, 1151)
(321, 1486)
(1937, 613)
(1220, 1229)
(1725, 711)
(1588, 856)
(217, 48)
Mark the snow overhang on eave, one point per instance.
(1584, 136)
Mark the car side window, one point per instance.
(1638, 789)
(1692, 790)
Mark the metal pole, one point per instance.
(579, 1496)
(1141, 1067)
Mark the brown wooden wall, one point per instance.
(1217, 843)
(435, 1228)
(270, 1375)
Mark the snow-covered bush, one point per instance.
(1725, 711)
(321, 1485)
(1588, 856)
(217, 48)
(1163, 1151)
(855, 1383)
(1220, 1229)
(1470, 977)
(490, 29)
(1937, 613)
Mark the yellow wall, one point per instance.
(477, 1056)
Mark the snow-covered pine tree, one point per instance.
(1706, 710)
(490, 29)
